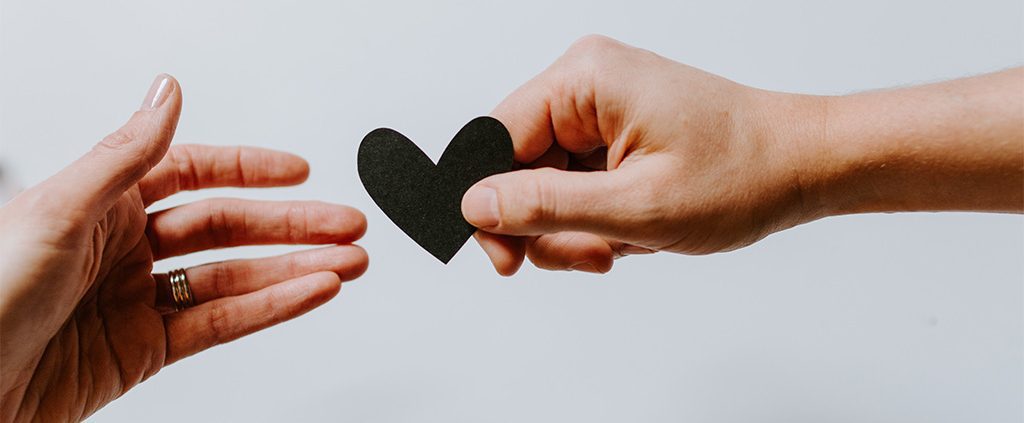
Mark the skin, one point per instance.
(627, 152)
(84, 319)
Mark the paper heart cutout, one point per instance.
(425, 199)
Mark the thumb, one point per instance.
(95, 181)
(546, 200)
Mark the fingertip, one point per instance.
(602, 264)
(176, 94)
(508, 268)
(480, 206)
(571, 251)
(357, 261)
(323, 286)
(506, 253)
(303, 173)
(170, 78)
(165, 100)
(526, 115)
(302, 294)
(93, 182)
(600, 255)
(255, 166)
(359, 219)
(164, 111)
(162, 90)
(298, 168)
(348, 222)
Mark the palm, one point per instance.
(115, 337)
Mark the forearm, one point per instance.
(956, 145)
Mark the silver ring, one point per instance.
(181, 291)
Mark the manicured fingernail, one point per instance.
(158, 92)
(585, 267)
(480, 207)
(630, 250)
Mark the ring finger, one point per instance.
(238, 277)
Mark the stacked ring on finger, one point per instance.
(181, 291)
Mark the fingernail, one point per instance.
(158, 92)
(630, 250)
(480, 207)
(585, 267)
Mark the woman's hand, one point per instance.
(684, 161)
(84, 320)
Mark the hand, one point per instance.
(680, 161)
(84, 320)
(684, 161)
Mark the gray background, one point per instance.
(875, 318)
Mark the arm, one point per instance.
(956, 145)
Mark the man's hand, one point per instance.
(633, 153)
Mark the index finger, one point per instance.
(560, 104)
(189, 167)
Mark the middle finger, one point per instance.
(225, 222)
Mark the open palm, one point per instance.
(83, 317)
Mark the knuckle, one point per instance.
(538, 202)
(592, 45)
(120, 144)
(116, 140)
(593, 52)
(297, 222)
(184, 161)
(240, 175)
(297, 263)
(532, 213)
(590, 59)
(219, 223)
(278, 305)
(222, 276)
(217, 320)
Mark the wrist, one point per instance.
(850, 159)
(838, 155)
(793, 128)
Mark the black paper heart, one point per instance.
(425, 199)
